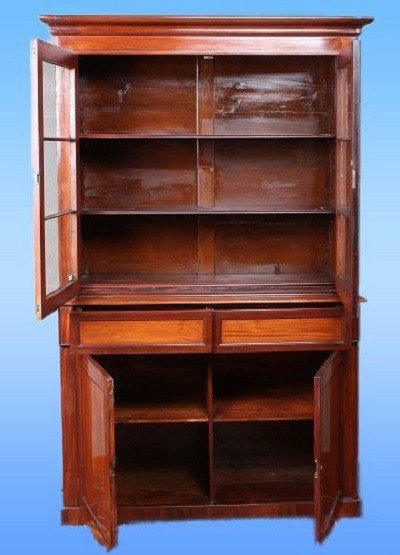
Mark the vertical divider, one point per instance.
(205, 95)
(206, 245)
(211, 477)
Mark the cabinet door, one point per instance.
(54, 153)
(327, 444)
(97, 450)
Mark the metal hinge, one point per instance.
(111, 387)
(36, 179)
(353, 178)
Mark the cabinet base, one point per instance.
(349, 508)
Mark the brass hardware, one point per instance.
(353, 178)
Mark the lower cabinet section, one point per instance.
(185, 436)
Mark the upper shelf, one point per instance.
(196, 210)
(195, 136)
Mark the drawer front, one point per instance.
(257, 330)
(178, 331)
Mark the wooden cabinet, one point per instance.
(196, 225)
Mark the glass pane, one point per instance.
(59, 177)
(58, 95)
(60, 251)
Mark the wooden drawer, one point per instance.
(175, 331)
(258, 330)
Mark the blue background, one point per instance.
(29, 388)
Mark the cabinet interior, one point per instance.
(207, 173)
(191, 429)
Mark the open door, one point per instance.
(54, 151)
(327, 492)
(97, 450)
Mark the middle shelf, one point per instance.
(184, 176)
(223, 388)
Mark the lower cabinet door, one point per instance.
(97, 450)
(142, 332)
(327, 484)
(279, 329)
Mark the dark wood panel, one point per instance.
(141, 332)
(167, 465)
(258, 462)
(349, 508)
(123, 245)
(327, 445)
(132, 175)
(70, 432)
(97, 450)
(276, 95)
(138, 94)
(273, 245)
(282, 174)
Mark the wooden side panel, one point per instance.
(327, 445)
(69, 428)
(97, 450)
(252, 330)
(142, 332)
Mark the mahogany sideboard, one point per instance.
(196, 226)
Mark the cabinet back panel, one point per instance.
(138, 94)
(148, 245)
(273, 95)
(156, 378)
(272, 245)
(291, 366)
(122, 175)
(273, 173)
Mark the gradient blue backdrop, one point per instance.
(30, 443)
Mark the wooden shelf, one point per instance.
(263, 403)
(162, 486)
(84, 136)
(214, 289)
(195, 210)
(167, 412)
